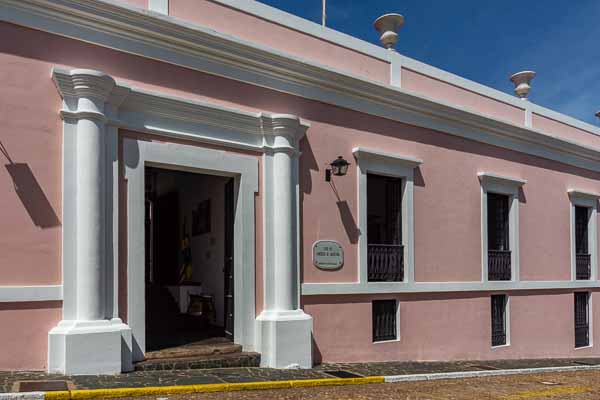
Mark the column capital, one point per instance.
(282, 132)
(84, 92)
(86, 83)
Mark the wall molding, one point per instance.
(165, 115)
(164, 38)
(11, 294)
(315, 289)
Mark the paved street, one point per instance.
(556, 386)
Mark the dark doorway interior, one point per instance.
(189, 258)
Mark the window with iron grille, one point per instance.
(499, 256)
(385, 252)
(499, 302)
(582, 319)
(582, 254)
(384, 320)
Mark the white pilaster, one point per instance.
(284, 329)
(88, 340)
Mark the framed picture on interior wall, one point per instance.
(201, 218)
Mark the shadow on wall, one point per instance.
(346, 216)
(317, 356)
(30, 193)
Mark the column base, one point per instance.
(90, 348)
(285, 339)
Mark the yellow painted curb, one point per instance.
(217, 387)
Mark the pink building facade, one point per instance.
(483, 244)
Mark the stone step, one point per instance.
(229, 360)
(203, 348)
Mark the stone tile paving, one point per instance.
(232, 375)
(582, 385)
(407, 368)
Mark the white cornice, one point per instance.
(488, 177)
(583, 195)
(167, 39)
(133, 108)
(361, 153)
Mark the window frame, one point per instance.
(493, 183)
(589, 200)
(371, 161)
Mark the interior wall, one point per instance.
(208, 250)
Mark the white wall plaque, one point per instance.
(328, 254)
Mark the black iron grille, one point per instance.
(498, 320)
(582, 256)
(582, 326)
(384, 320)
(385, 262)
(499, 265)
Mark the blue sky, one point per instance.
(486, 41)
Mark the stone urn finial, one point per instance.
(388, 26)
(522, 81)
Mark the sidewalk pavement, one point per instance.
(227, 379)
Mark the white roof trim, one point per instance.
(365, 153)
(294, 22)
(488, 177)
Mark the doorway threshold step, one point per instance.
(207, 347)
(230, 360)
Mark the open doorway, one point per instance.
(189, 258)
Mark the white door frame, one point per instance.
(137, 154)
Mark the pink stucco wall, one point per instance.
(24, 336)
(457, 96)
(446, 199)
(253, 29)
(447, 203)
(569, 132)
(448, 327)
(30, 201)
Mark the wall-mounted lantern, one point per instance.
(339, 167)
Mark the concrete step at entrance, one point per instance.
(208, 347)
(229, 360)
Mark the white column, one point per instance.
(92, 92)
(87, 340)
(284, 261)
(284, 338)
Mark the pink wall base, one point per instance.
(24, 333)
(455, 326)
